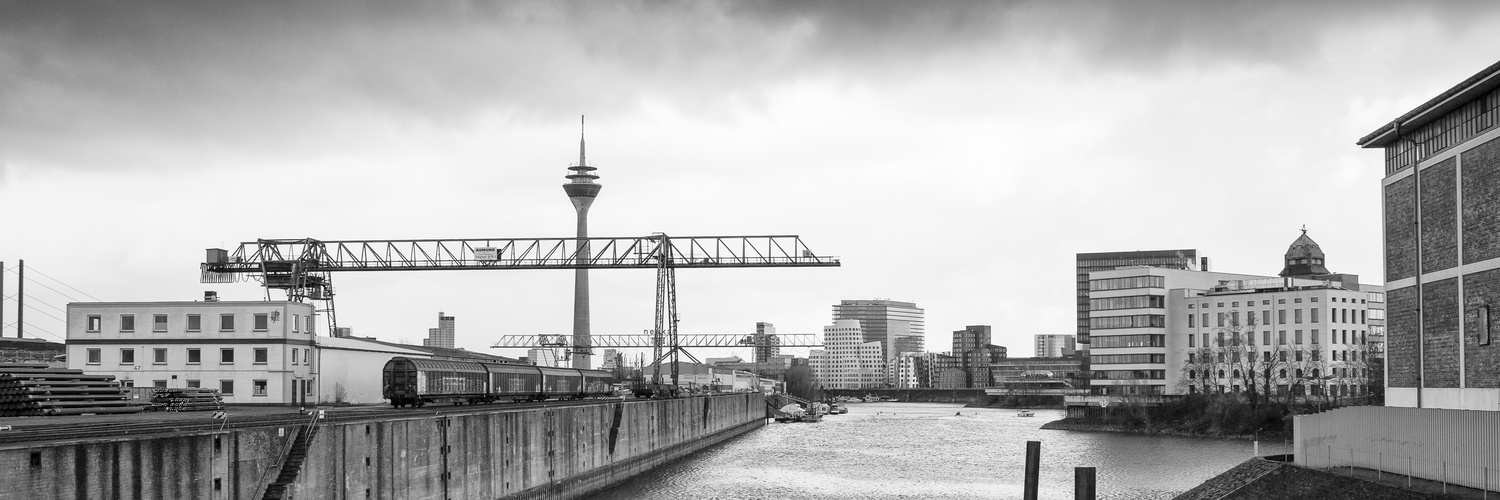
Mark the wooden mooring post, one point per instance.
(1033, 468)
(1083, 483)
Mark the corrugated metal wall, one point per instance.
(1455, 446)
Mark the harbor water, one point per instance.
(935, 450)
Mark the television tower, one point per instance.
(582, 190)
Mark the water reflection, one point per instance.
(924, 450)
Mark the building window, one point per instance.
(1314, 299)
(226, 387)
(1298, 336)
(296, 323)
(259, 387)
(93, 355)
(1280, 301)
(96, 323)
(1281, 317)
(226, 356)
(307, 387)
(1190, 344)
(1190, 320)
(127, 383)
(159, 384)
(1265, 337)
(1297, 300)
(159, 323)
(1281, 337)
(195, 356)
(1314, 315)
(1297, 316)
(226, 322)
(261, 355)
(262, 322)
(194, 384)
(195, 323)
(307, 356)
(127, 356)
(294, 355)
(159, 356)
(127, 322)
(1220, 318)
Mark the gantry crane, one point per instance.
(651, 339)
(303, 267)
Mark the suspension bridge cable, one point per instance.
(43, 330)
(54, 290)
(86, 294)
(35, 299)
(44, 313)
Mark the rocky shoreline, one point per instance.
(1079, 425)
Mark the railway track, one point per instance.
(141, 424)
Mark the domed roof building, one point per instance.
(1304, 259)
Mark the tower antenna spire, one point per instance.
(580, 141)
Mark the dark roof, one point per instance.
(1481, 82)
(1304, 248)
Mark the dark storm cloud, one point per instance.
(120, 84)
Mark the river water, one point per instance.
(925, 450)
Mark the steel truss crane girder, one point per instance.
(628, 341)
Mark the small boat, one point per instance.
(1025, 413)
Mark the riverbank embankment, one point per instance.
(1083, 425)
(1271, 479)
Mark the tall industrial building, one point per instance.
(1104, 261)
(975, 352)
(897, 326)
(767, 344)
(1054, 345)
(442, 336)
(1442, 248)
(581, 189)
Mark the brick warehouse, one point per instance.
(1442, 247)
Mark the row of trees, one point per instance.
(1282, 370)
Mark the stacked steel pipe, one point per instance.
(36, 390)
(186, 399)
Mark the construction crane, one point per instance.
(303, 268)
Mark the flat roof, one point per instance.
(1465, 91)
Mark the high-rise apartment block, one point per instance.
(442, 336)
(972, 347)
(1055, 345)
(1442, 248)
(1104, 261)
(897, 326)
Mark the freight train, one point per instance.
(417, 382)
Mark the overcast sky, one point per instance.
(955, 155)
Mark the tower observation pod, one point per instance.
(581, 189)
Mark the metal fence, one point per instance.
(1401, 469)
(1451, 447)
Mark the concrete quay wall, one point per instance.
(217, 465)
(562, 452)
